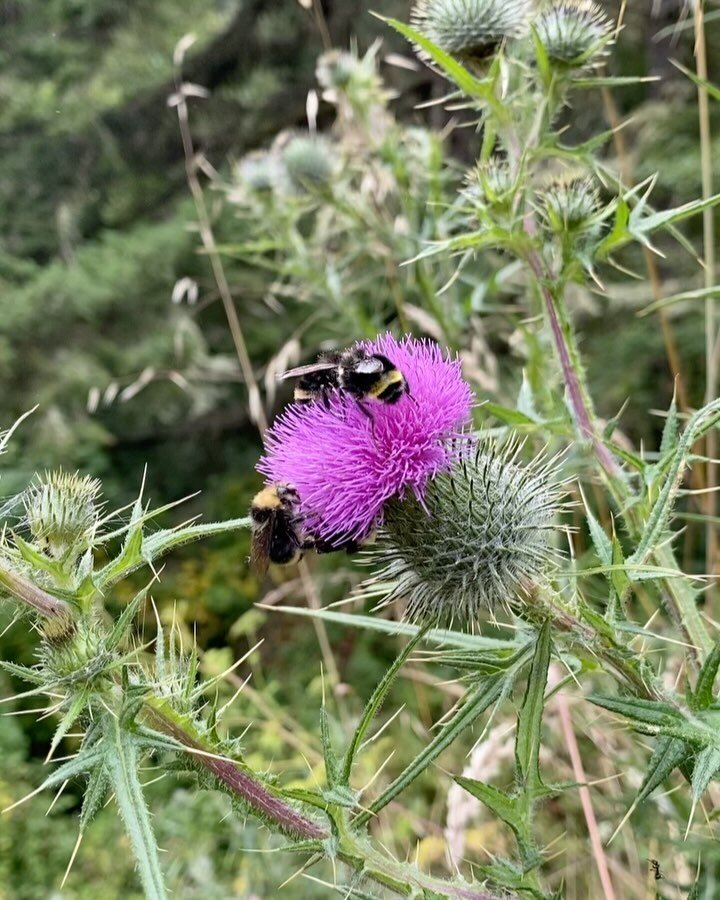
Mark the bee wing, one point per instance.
(260, 549)
(306, 370)
(368, 366)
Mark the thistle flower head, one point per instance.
(489, 184)
(570, 202)
(481, 538)
(470, 30)
(346, 459)
(306, 160)
(62, 511)
(574, 33)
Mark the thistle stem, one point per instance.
(25, 591)
(265, 802)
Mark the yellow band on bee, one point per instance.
(394, 376)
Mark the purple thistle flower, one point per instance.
(346, 465)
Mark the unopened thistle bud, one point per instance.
(470, 30)
(480, 538)
(574, 33)
(570, 203)
(73, 649)
(62, 512)
(490, 185)
(307, 161)
(258, 170)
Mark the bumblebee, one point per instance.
(276, 527)
(363, 375)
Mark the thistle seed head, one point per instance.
(62, 512)
(574, 33)
(470, 30)
(481, 537)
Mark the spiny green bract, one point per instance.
(481, 537)
(62, 511)
(471, 30)
(573, 32)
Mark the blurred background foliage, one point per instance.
(111, 322)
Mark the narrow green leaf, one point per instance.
(647, 712)
(527, 742)
(706, 767)
(122, 768)
(476, 701)
(508, 415)
(702, 696)
(613, 81)
(601, 542)
(669, 754)
(125, 562)
(641, 225)
(332, 764)
(373, 623)
(84, 762)
(619, 234)
(94, 795)
(450, 66)
(656, 526)
(26, 673)
(75, 709)
(497, 801)
(124, 620)
(618, 573)
(375, 702)
(157, 544)
(712, 89)
(670, 429)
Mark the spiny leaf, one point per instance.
(26, 673)
(124, 620)
(670, 429)
(668, 755)
(657, 522)
(497, 801)
(476, 701)
(449, 65)
(94, 795)
(702, 696)
(332, 764)
(374, 704)
(74, 710)
(373, 623)
(527, 743)
(707, 765)
(122, 768)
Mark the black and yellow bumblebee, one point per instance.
(276, 526)
(277, 530)
(365, 376)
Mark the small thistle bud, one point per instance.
(570, 203)
(490, 185)
(74, 650)
(470, 30)
(336, 69)
(62, 512)
(258, 170)
(480, 538)
(574, 33)
(307, 161)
